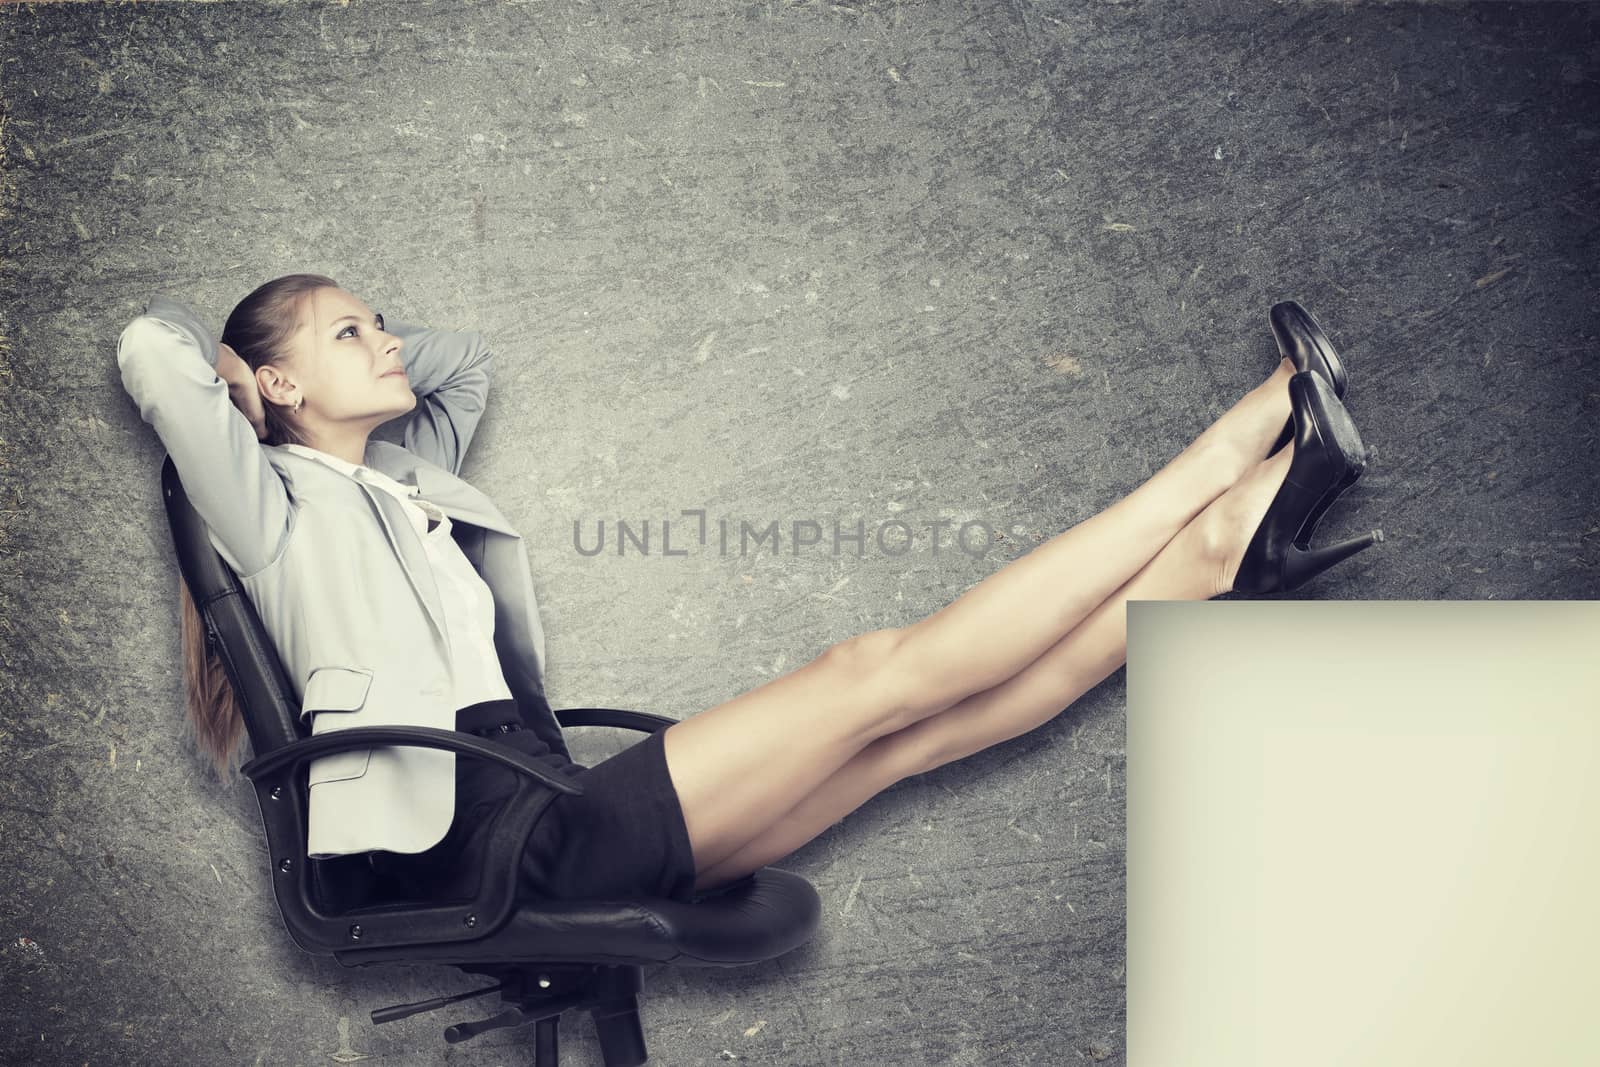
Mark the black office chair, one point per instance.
(546, 955)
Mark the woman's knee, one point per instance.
(872, 661)
(866, 654)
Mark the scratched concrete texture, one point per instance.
(991, 264)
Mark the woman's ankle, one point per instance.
(1223, 531)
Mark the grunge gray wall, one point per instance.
(988, 262)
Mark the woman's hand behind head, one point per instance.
(242, 388)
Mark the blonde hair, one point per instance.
(258, 330)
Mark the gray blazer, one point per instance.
(337, 573)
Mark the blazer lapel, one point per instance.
(460, 500)
(456, 498)
(413, 557)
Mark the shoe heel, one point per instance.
(1304, 564)
(1302, 538)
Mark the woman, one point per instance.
(308, 370)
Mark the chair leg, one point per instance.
(547, 1042)
(616, 1024)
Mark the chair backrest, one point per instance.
(233, 629)
(266, 699)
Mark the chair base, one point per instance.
(540, 993)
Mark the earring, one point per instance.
(297, 402)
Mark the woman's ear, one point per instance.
(275, 386)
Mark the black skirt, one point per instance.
(624, 837)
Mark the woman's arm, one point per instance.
(168, 361)
(449, 373)
(243, 389)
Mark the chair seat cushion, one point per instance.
(757, 918)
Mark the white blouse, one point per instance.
(468, 603)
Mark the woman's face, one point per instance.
(347, 367)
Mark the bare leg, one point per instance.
(740, 766)
(1197, 564)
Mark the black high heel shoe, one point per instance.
(1328, 458)
(1301, 341)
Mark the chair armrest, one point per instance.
(281, 793)
(308, 748)
(619, 717)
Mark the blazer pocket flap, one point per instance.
(336, 689)
(339, 766)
